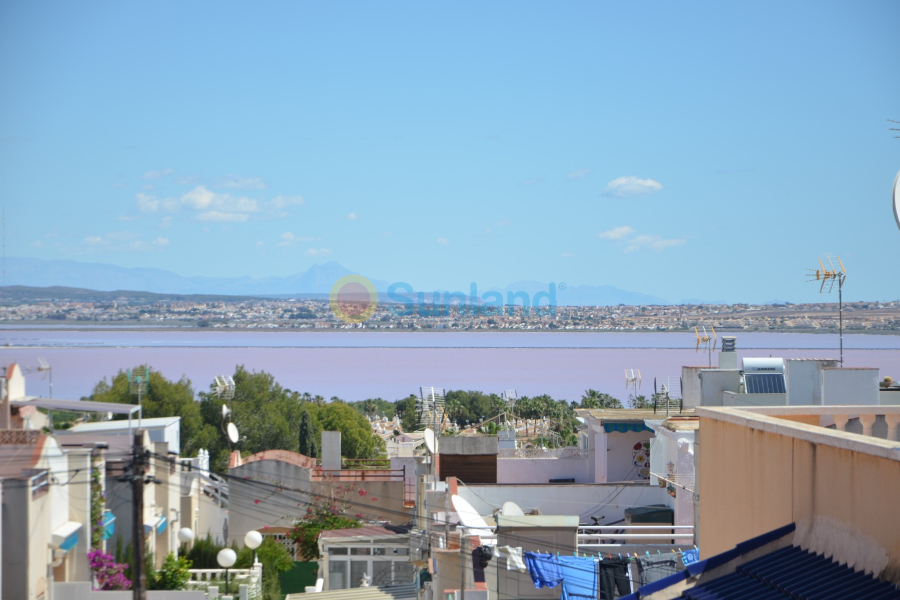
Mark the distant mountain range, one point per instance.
(315, 282)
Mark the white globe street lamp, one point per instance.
(252, 540)
(185, 535)
(226, 558)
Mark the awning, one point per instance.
(66, 536)
(109, 525)
(161, 526)
(77, 405)
(625, 427)
(150, 525)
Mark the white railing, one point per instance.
(201, 579)
(567, 452)
(603, 536)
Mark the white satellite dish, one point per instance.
(473, 522)
(225, 411)
(429, 440)
(896, 198)
(233, 433)
(511, 509)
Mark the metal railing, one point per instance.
(604, 536)
(201, 579)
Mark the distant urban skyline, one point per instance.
(705, 151)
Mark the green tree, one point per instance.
(406, 408)
(163, 398)
(595, 399)
(639, 401)
(309, 436)
(357, 438)
(266, 415)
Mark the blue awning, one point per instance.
(109, 525)
(66, 536)
(161, 526)
(625, 427)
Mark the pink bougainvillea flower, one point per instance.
(257, 501)
(362, 492)
(374, 499)
(265, 526)
(358, 516)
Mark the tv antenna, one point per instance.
(834, 273)
(138, 383)
(510, 397)
(44, 369)
(706, 341)
(223, 387)
(430, 407)
(894, 128)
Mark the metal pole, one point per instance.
(139, 585)
(841, 315)
(462, 566)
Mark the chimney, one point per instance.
(728, 353)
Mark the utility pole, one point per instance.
(139, 583)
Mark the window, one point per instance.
(337, 574)
(335, 551)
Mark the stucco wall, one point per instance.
(602, 500)
(845, 386)
(620, 455)
(803, 378)
(843, 501)
(542, 470)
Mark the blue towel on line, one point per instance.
(543, 568)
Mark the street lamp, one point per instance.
(226, 558)
(185, 535)
(252, 540)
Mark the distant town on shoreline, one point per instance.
(72, 306)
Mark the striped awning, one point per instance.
(635, 427)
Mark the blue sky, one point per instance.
(684, 150)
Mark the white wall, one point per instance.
(542, 470)
(620, 455)
(803, 378)
(82, 591)
(690, 385)
(857, 386)
(606, 500)
(715, 381)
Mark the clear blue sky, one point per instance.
(685, 150)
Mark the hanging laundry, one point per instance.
(579, 578)
(614, 580)
(513, 557)
(543, 568)
(655, 567)
(689, 557)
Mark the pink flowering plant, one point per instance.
(327, 513)
(108, 574)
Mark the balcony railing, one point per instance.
(567, 452)
(612, 536)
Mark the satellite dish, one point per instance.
(467, 513)
(429, 440)
(896, 198)
(233, 433)
(225, 411)
(511, 509)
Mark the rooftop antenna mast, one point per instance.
(633, 381)
(430, 408)
(834, 273)
(706, 341)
